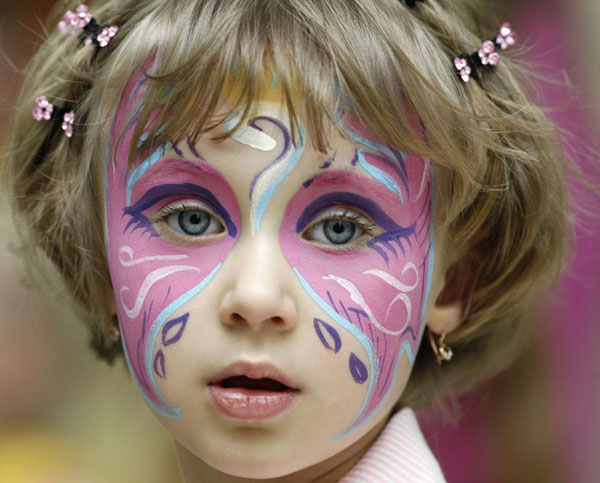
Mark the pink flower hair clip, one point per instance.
(81, 22)
(45, 111)
(487, 55)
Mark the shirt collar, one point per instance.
(399, 454)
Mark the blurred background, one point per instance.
(64, 416)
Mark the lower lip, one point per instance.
(240, 403)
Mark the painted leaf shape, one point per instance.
(330, 337)
(173, 330)
(358, 369)
(159, 364)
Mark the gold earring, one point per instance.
(115, 333)
(442, 351)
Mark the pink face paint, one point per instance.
(153, 278)
(266, 183)
(377, 295)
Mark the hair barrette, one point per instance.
(81, 21)
(468, 65)
(46, 111)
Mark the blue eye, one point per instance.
(339, 228)
(339, 231)
(191, 220)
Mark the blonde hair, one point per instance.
(499, 182)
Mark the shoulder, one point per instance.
(399, 454)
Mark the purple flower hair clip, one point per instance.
(81, 22)
(468, 65)
(45, 111)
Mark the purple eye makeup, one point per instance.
(354, 230)
(375, 294)
(154, 273)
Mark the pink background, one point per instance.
(539, 422)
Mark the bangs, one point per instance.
(212, 60)
(179, 68)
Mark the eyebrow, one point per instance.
(170, 167)
(193, 149)
(158, 193)
(392, 156)
(133, 177)
(163, 164)
(382, 176)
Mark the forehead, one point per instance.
(265, 137)
(262, 165)
(262, 138)
(340, 127)
(235, 100)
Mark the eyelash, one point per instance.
(169, 210)
(347, 215)
(166, 212)
(352, 216)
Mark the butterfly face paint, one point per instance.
(155, 272)
(376, 294)
(323, 260)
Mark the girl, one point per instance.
(269, 207)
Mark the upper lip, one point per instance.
(254, 370)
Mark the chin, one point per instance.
(252, 452)
(259, 462)
(262, 470)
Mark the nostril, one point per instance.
(235, 318)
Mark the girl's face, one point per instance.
(271, 298)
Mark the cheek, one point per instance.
(377, 296)
(152, 281)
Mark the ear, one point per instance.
(447, 314)
(445, 318)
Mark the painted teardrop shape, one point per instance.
(358, 369)
(159, 364)
(173, 330)
(330, 337)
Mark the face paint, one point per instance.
(154, 277)
(266, 183)
(339, 333)
(251, 134)
(377, 294)
(254, 134)
(327, 163)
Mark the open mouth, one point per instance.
(246, 390)
(242, 397)
(262, 384)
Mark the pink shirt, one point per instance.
(399, 454)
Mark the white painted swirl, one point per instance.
(404, 298)
(424, 179)
(127, 252)
(401, 287)
(150, 280)
(357, 298)
(393, 281)
(250, 136)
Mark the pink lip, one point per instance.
(244, 403)
(241, 403)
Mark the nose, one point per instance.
(258, 296)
